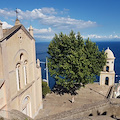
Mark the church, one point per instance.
(20, 74)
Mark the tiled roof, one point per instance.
(10, 32)
(13, 30)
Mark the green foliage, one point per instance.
(26, 119)
(74, 62)
(45, 89)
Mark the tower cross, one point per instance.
(16, 13)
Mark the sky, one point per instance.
(97, 19)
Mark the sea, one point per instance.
(41, 54)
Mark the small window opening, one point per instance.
(21, 56)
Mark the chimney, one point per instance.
(1, 30)
(31, 31)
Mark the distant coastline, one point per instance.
(93, 40)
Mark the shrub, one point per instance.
(45, 89)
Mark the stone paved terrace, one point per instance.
(54, 104)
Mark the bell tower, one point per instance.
(1, 30)
(31, 31)
(107, 76)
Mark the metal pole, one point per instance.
(47, 71)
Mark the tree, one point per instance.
(74, 62)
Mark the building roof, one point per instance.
(13, 30)
(109, 53)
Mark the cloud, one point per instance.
(50, 11)
(114, 36)
(66, 23)
(31, 15)
(6, 25)
(7, 13)
(65, 11)
(39, 31)
(42, 37)
(94, 36)
(49, 17)
(43, 34)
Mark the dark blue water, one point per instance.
(41, 53)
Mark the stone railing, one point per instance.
(110, 92)
(13, 115)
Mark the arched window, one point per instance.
(18, 76)
(106, 80)
(107, 68)
(26, 106)
(21, 56)
(25, 71)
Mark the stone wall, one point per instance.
(108, 107)
(104, 107)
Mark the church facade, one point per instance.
(20, 75)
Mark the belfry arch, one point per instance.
(107, 81)
(107, 68)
